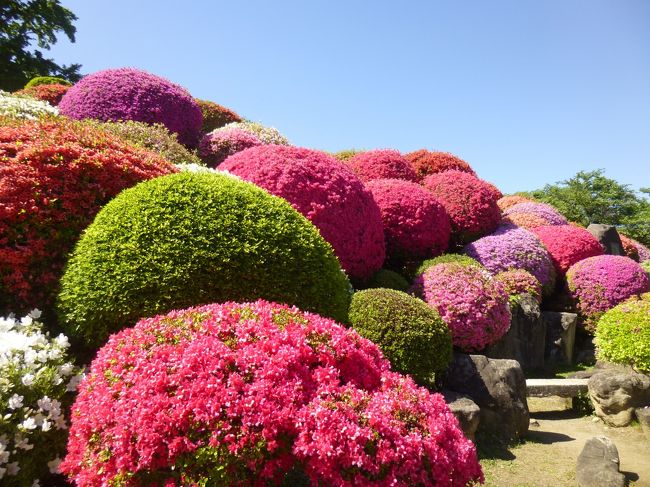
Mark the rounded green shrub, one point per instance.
(646, 267)
(190, 239)
(623, 334)
(47, 80)
(387, 279)
(411, 334)
(445, 259)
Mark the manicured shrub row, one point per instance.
(425, 163)
(215, 115)
(381, 164)
(568, 244)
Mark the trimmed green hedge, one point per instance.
(445, 259)
(47, 80)
(188, 239)
(387, 279)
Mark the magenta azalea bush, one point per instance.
(243, 394)
(218, 145)
(416, 225)
(132, 94)
(327, 193)
(599, 283)
(474, 304)
(512, 247)
(642, 250)
(541, 210)
(381, 164)
(568, 244)
(517, 282)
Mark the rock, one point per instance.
(525, 341)
(598, 464)
(608, 238)
(465, 410)
(615, 393)
(560, 336)
(498, 387)
(643, 415)
(555, 387)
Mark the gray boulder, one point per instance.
(598, 464)
(560, 336)
(608, 237)
(498, 387)
(616, 392)
(465, 410)
(643, 415)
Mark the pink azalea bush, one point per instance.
(517, 282)
(327, 193)
(568, 244)
(132, 94)
(216, 146)
(242, 394)
(416, 225)
(381, 164)
(642, 251)
(546, 212)
(599, 283)
(473, 304)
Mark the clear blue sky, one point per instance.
(528, 92)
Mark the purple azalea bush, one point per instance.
(542, 210)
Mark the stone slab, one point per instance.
(555, 387)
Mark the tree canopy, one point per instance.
(23, 23)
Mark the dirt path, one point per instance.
(548, 457)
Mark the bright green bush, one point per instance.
(47, 80)
(646, 267)
(195, 238)
(623, 334)
(410, 333)
(445, 259)
(387, 279)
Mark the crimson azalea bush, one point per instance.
(50, 93)
(381, 164)
(568, 244)
(470, 300)
(546, 212)
(425, 163)
(470, 203)
(327, 193)
(217, 146)
(506, 202)
(132, 94)
(511, 247)
(215, 115)
(244, 394)
(55, 175)
(599, 283)
(517, 282)
(629, 247)
(416, 225)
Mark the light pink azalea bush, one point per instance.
(216, 146)
(241, 394)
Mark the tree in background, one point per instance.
(21, 23)
(590, 197)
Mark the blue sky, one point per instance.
(528, 92)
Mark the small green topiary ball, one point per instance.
(47, 80)
(190, 239)
(623, 334)
(410, 333)
(445, 259)
(387, 279)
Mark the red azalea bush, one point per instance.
(629, 247)
(519, 281)
(54, 178)
(599, 283)
(642, 250)
(425, 163)
(244, 394)
(416, 225)
(568, 244)
(506, 202)
(470, 203)
(381, 164)
(327, 193)
(470, 300)
(215, 115)
(132, 94)
(51, 93)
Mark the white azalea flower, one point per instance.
(15, 401)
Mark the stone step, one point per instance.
(555, 387)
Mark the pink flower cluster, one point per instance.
(416, 225)
(471, 203)
(240, 394)
(507, 201)
(132, 94)
(327, 193)
(519, 281)
(546, 212)
(381, 164)
(474, 305)
(218, 145)
(642, 250)
(599, 283)
(568, 244)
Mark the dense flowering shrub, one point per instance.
(410, 333)
(416, 225)
(525, 220)
(132, 94)
(387, 279)
(568, 244)
(517, 282)
(601, 282)
(268, 135)
(511, 247)
(36, 385)
(445, 259)
(327, 193)
(425, 163)
(54, 177)
(381, 164)
(215, 115)
(241, 394)
(51, 94)
(643, 251)
(47, 80)
(24, 107)
(623, 334)
(470, 203)
(217, 146)
(542, 210)
(506, 202)
(629, 247)
(195, 238)
(474, 305)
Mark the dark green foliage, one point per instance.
(445, 259)
(24, 23)
(410, 333)
(188, 239)
(47, 80)
(387, 279)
